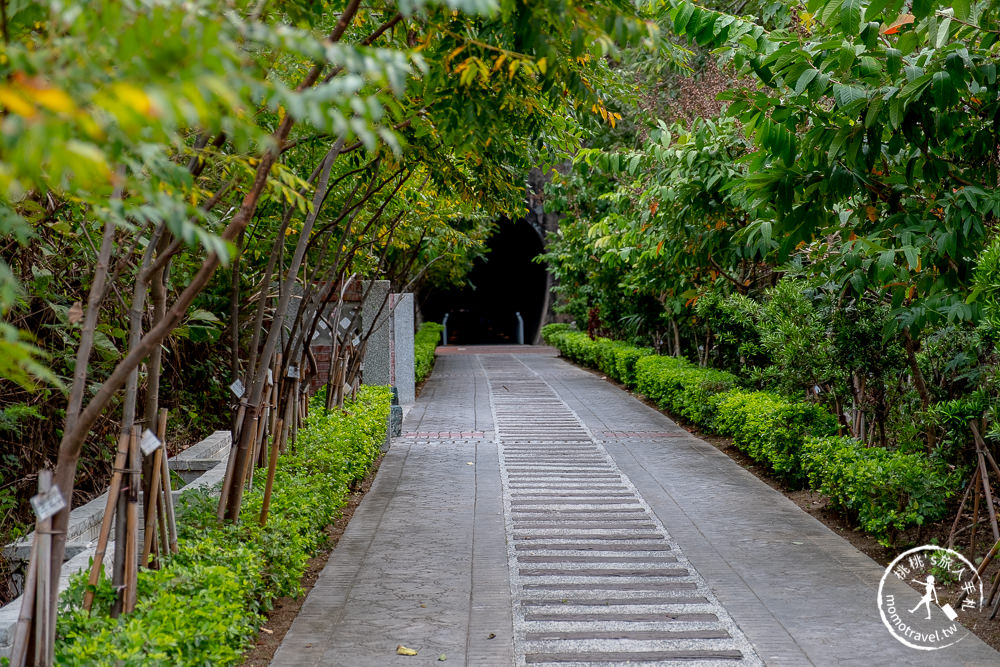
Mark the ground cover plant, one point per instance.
(207, 602)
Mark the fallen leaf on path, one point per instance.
(402, 650)
(491, 636)
(267, 630)
(442, 657)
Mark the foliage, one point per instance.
(771, 428)
(206, 604)
(425, 342)
(681, 387)
(888, 491)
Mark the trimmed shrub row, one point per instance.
(425, 342)
(886, 490)
(207, 603)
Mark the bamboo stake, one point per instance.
(22, 632)
(152, 507)
(989, 495)
(272, 465)
(965, 498)
(167, 499)
(121, 456)
(45, 632)
(132, 524)
(975, 520)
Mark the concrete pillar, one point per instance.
(377, 362)
(403, 361)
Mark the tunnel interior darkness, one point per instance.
(503, 283)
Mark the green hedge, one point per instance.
(886, 490)
(772, 428)
(206, 605)
(424, 343)
(681, 387)
(614, 358)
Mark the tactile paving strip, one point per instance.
(595, 577)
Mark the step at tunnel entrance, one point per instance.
(501, 285)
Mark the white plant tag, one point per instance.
(47, 504)
(293, 372)
(149, 442)
(237, 388)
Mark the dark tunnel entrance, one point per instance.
(502, 284)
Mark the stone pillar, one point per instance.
(403, 361)
(377, 361)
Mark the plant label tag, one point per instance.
(48, 503)
(237, 388)
(293, 372)
(270, 376)
(344, 323)
(149, 442)
(356, 341)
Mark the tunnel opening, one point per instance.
(505, 282)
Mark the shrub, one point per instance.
(615, 359)
(207, 602)
(771, 428)
(549, 331)
(679, 386)
(887, 491)
(424, 344)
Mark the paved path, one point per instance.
(533, 514)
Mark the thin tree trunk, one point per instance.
(911, 346)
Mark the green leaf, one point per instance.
(804, 80)
(850, 17)
(846, 95)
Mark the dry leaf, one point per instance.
(442, 657)
(894, 27)
(402, 650)
(75, 313)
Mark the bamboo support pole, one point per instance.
(984, 478)
(121, 457)
(132, 525)
(973, 484)
(272, 466)
(23, 636)
(45, 631)
(152, 507)
(166, 498)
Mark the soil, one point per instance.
(285, 609)
(818, 506)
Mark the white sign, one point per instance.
(293, 372)
(47, 504)
(270, 376)
(149, 443)
(237, 388)
(918, 594)
(344, 323)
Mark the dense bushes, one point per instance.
(681, 387)
(886, 490)
(425, 342)
(771, 428)
(206, 604)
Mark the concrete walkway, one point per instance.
(534, 514)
